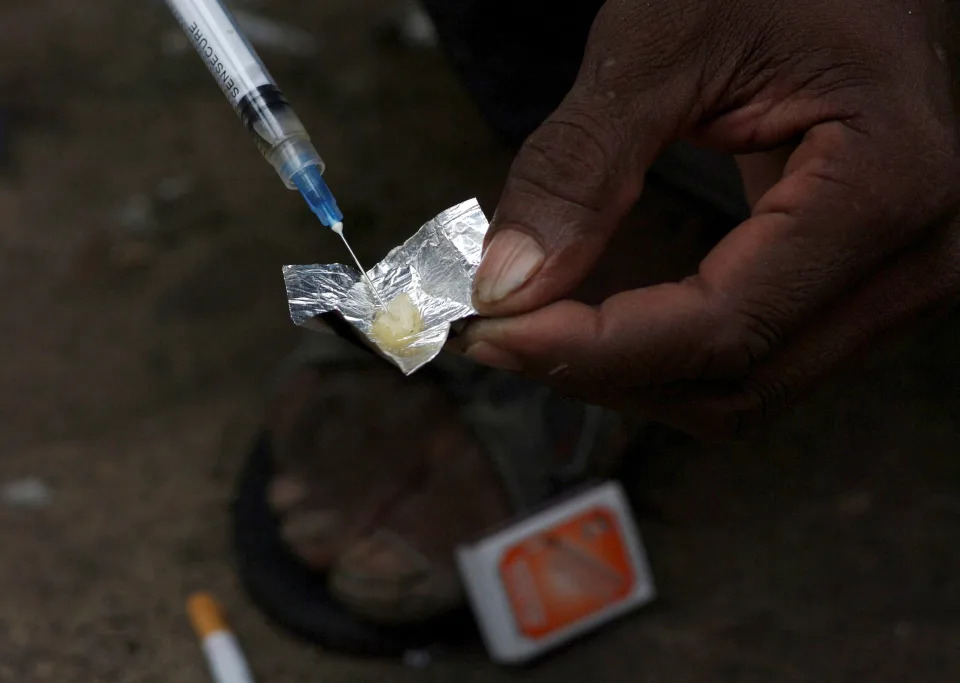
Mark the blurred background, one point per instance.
(143, 314)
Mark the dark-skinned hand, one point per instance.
(843, 116)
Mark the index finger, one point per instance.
(839, 211)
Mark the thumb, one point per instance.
(580, 173)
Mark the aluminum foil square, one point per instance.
(435, 268)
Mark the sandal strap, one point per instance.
(512, 418)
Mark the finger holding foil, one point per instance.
(425, 284)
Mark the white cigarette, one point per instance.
(224, 656)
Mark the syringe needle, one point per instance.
(338, 228)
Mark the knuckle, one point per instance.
(761, 326)
(828, 73)
(743, 339)
(569, 156)
(763, 398)
(744, 413)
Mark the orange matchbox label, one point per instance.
(560, 575)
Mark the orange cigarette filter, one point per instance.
(206, 615)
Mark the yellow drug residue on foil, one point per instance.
(395, 327)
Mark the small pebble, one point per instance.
(29, 492)
(417, 659)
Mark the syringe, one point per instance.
(262, 107)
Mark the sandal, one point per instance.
(363, 482)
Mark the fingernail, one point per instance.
(487, 354)
(511, 259)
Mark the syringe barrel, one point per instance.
(248, 86)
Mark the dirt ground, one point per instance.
(141, 240)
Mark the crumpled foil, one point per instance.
(435, 268)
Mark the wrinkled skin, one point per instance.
(843, 116)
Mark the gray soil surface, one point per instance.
(141, 239)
